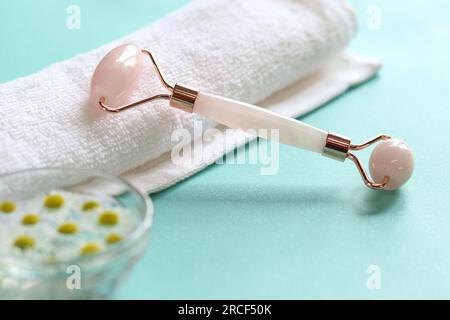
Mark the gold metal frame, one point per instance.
(338, 147)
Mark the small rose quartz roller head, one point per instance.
(391, 163)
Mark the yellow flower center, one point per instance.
(24, 242)
(90, 248)
(30, 219)
(68, 228)
(54, 201)
(90, 205)
(108, 218)
(7, 207)
(113, 238)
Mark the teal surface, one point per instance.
(313, 230)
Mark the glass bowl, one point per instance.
(69, 233)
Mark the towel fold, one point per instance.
(245, 50)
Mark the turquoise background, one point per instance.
(312, 230)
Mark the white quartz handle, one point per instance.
(239, 115)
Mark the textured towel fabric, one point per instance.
(246, 50)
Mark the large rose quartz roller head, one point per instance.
(117, 75)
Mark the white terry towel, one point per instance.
(245, 50)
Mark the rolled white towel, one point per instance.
(245, 50)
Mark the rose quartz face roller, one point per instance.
(391, 163)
